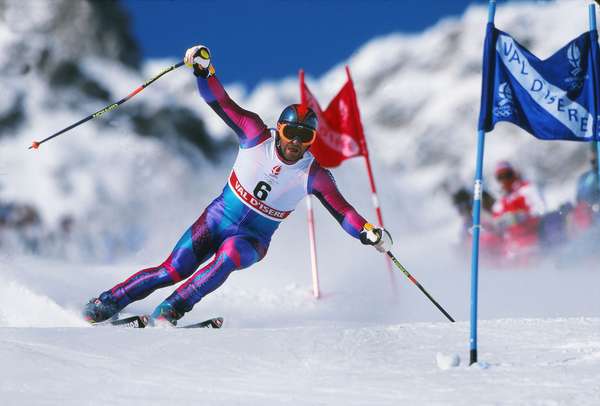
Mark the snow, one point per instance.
(447, 361)
(373, 338)
(539, 338)
(530, 362)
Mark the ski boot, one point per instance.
(100, 309)
(164, 315)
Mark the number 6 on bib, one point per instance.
(261, 191)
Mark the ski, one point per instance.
(141, 321)
(216, 322)
(129, 322)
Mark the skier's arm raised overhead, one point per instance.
(248, 126)
(322, 185)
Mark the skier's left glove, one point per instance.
(377, 237)
(198, 57)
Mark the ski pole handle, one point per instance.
(202, 57)
(413, 280)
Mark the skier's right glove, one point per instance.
(377, 237)
(198, 57)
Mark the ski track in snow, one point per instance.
(529, 362)
(280, 346)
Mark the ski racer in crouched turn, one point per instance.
(272, 173)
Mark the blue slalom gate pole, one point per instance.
(592, 13)
(477, 193)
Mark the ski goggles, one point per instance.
(289, 132)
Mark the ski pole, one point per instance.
(36, 144)
(413, 280)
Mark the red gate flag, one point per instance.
(340, 134)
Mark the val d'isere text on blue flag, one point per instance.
(553, 99)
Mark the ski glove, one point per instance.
(198, 57)
(377, 237)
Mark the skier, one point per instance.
(518, 212)
(272, 173)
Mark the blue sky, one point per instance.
(256, 40)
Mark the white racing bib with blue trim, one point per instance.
(266, 184)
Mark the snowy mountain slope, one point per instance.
(133, 196)
(418, 96)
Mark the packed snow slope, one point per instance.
(527, 362)
(373, 337)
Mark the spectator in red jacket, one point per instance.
(517, 213)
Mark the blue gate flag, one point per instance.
(553, 99)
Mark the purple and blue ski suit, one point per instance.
(236, 228)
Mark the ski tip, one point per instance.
(144, 319)
(34, 145)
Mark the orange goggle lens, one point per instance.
(290, 132)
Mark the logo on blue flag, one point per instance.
(553, 99)
(574, 56)
(575, 81)
(504, 106)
